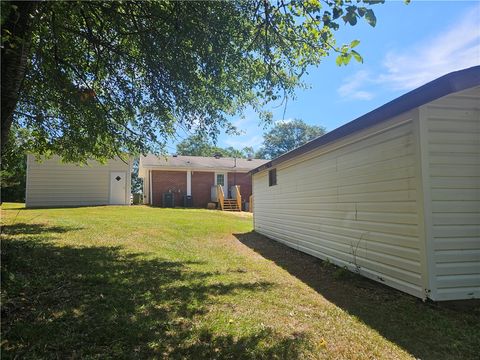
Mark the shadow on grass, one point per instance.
(21, 207)
(425, 330)
(34, 229)
(13, 206)
(101, 302)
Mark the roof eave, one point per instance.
(193, 168)
(445, 85)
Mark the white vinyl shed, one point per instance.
(393, 195)
(51, 183)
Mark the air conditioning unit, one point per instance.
(168, 200)
(213, 193)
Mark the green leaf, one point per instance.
(370, 17)
(347, 59)
(354, 43)
(343, 59)
(337, 12)
(128, 94)
(350, 18)
(357, 56)
(339, 60)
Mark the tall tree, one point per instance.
(200, 145)
(92, 79)
(13, 168)
(286, 136)
(137, 183)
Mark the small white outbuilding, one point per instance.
(52, 183)
(393, 195)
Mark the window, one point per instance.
(272, 177)
(220, 179)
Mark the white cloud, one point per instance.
(284, 121)
(242, 122)
(455, 48)
(249, 125)
(351, 87)
(253, 141)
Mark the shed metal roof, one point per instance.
(445, 85)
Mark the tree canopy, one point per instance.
(198, 145)
(286, 136)
(93, 79)
(14, 168)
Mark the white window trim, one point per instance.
(189, 183)
(225, 174)
(150, 192)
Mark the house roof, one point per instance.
(445, 85)
(179, 162)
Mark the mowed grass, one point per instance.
(140, 282)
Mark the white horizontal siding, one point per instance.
(354, 203)
(453, 141)
(53, 183)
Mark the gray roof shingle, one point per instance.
(200, 162)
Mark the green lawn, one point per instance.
(140, 282)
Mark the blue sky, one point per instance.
(411, 45)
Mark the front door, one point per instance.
(118, 182)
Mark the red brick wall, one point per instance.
(244, 180)
(168, 181)
(202, 183)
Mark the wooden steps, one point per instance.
(230, 205)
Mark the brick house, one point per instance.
(194, 176)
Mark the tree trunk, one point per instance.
(15, 51)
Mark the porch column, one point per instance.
(189, 182)
(150, 186)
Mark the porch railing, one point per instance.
(238, 196)
(229, 204)
(220, 196)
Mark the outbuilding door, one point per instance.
(118, 182)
